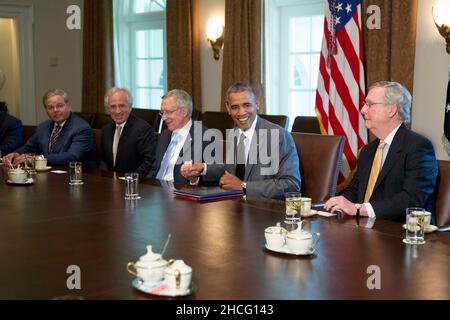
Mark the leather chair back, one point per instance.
(217, 120)
(28, 131)
(98, 141)
(320, 162)
(151, 116)
(306, 125)
(101, 120)
(282, 121)
(443, 194)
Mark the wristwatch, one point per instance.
(358, 207)
(244, 187)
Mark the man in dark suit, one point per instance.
(61, 139)
(11, 131)
(181, 141)
(128, 143)
(250, 172)
(395, 171)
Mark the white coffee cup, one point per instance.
(275, 236)
(306, 206)
(301, 241)
(18, 175)
(40, 163)
(178, 276)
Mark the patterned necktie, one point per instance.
(240, 158)
(54, 137)
(376, 165)
(116, 143)
(167, 157)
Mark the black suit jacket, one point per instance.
(193, 151)
(11, 133)
(407, 178)
(136, 149)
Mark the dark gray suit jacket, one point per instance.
(407, 178)
(11, 133)
(75, 143)
(136, 149)
(271, 185)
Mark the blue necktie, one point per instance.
(167, 157)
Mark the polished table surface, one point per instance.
(49, 226)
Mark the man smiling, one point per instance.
(255, 137)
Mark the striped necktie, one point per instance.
(376, 166)
(54, 137)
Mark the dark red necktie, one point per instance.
(54, 138)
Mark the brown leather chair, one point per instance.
(306, 125)
(28, 131)
(101, 119)
(282, 121)
(98, 141)
(151, 116)
(443, 194)
(88, 116)
(320, 162)
(217, 120)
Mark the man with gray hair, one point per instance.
(178, 140)
(128, 143)
(63, 138)
(395, 171)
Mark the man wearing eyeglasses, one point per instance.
(128, 143)
(63, 138)
(179, 140)
(395, 171)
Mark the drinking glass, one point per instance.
(30, 163)
(293, 207)
(415, 226)
(75, 173)
(132, 186)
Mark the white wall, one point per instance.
(431, 72)
(211, 70)
(9, 64)
(53, 39)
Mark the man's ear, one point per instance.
(228, 108)
(393, 110)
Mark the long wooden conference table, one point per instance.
(48, 226)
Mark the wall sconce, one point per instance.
(442, 20)
(215, 33)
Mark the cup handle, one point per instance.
(177, 279)
(132, 265)
(317, 234)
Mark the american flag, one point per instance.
(446, 136)
(340, 88)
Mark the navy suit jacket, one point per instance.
(11, 133)
(194, 152)
(136, 149)
(407, 178)
(75, 143)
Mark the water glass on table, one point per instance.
(415, 226)
(132, 186)
(293, 202)
(30, 163)
(75, 173)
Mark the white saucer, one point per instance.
(431, 228)
(285, 249)
(27, 182)
(159, 289)
(43, 169)
(312, 212)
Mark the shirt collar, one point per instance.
(391, 135)
(183, 131)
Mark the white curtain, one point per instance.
(121, 43)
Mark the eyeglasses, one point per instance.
(59, 106)
(369, 105)
(168, 113)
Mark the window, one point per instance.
(140, 50)
(294, 32)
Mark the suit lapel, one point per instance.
(123, 137)
(163, 143)
(395, 148)
(365, 168)
(254, 146)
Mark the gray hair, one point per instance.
(55, 92)
(181, 97)
(397, 94)
(114, 90)
(241, 87)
